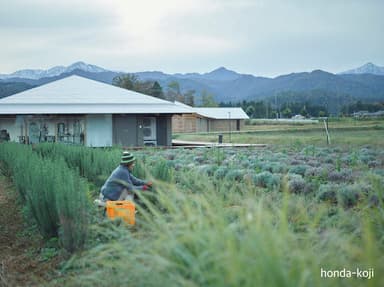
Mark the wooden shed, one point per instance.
(208, 119)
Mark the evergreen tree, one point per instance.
(157, 91)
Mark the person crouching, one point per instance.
(121, 183)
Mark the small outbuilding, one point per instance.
(77, 110)
(208, 119)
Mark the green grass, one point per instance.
(344, 132)
(200, 230)
(205, 226)
(257, 239)
(54, 195)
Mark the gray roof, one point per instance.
(78, 95)
(222, 113)
(217, 113)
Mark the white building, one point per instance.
(82, 111)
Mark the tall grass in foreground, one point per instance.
(206, 237)
(55, 196)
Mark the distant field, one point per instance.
(342, 132)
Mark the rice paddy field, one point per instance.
(298, 212)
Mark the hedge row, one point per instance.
(55, 195)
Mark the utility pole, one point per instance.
(327, 131)
(277, 113)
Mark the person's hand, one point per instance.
(149, 183)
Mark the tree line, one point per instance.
(315, 103)
(361, 106)
(267, 109)
(172, 91)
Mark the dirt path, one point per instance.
(20, 261)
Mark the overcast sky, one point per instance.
(259, 37)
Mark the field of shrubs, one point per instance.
(269, 216)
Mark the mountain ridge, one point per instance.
(229, 86)
(36, 74)
(367, 68)
(220, 73)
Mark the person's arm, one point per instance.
(136, 181)
(139, 183)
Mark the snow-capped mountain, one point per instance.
(318, 86)
(368, 68)
(85, 67)
(55, 71)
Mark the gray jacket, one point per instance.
(120, 179)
